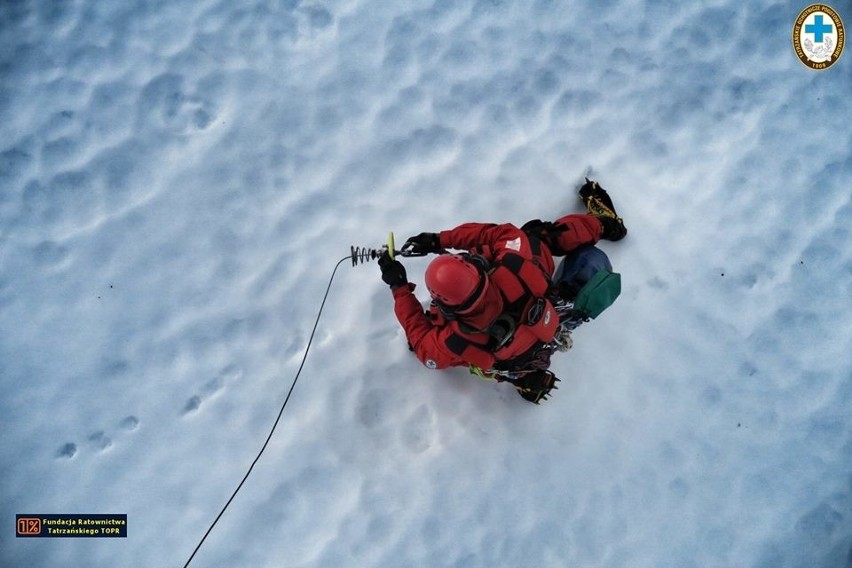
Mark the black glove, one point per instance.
(393, 272)
(422, 244)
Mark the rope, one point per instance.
(280, 412)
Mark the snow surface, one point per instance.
(178, 179)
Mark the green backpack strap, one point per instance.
(598, 293)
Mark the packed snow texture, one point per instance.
(178, 179)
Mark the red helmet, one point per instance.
(455, 282)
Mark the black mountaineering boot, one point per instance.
(536, 385)
(613, 228)
(599, 204)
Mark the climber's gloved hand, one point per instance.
(393, 272)
(422, 244)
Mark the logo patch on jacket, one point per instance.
(431, 364)
(514, 244)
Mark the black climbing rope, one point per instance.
(280, 412)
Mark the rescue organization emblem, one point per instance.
(818, 36)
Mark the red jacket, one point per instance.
(521, 273)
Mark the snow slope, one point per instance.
(178, 179)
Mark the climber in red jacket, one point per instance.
(490, 304)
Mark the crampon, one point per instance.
(533, 385)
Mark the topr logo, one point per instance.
(818, 36)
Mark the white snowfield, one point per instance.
(178, 179)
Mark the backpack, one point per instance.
(585, 277)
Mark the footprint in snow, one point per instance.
(418, 433)
(67, 451)
(98, 441)
(211, 388)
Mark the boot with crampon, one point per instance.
(536, 385)
(599, 204)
